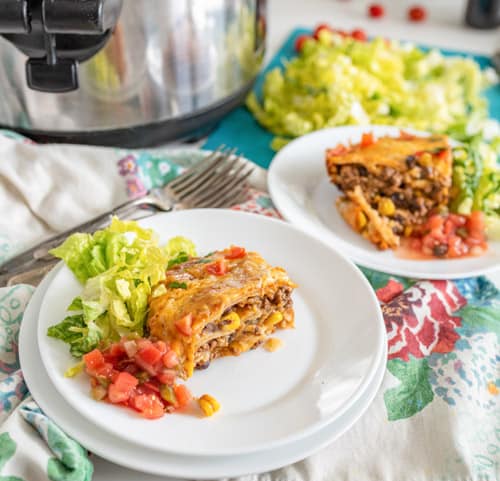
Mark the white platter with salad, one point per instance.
(433, 213)
(129, 342)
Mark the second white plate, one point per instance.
(268, 399)
(301, 190)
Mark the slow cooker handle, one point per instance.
(56, 35)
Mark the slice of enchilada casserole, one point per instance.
(225, 303)
(391, 185)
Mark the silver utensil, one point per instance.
(219, 180)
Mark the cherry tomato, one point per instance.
(301, 39)
(359, 35)
(320, 28)
(376, 10)
(417, 14)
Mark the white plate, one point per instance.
(301, 190)
(268, 399)
(152, 461)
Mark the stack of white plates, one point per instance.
(277, 408)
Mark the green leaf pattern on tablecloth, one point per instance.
(7, 449)
(414, 392)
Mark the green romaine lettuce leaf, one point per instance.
(118, 267)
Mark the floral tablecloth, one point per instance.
(436, 417)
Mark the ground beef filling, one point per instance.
(414, 193)
(250, 330)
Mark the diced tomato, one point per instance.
(149, 405)
(143, 343)
(435, 222)
(183, 324)
(367, 139)
(150, 355)
(475, 222)
(93, 359)
(449, 226)
(116, 350)
(122, 388)
(104, 371)
(152, 386)
(338, 150)
(161, 346)
(458, 220)
(182, 394)
(405, 135)
(166, 376)
(359, 35)
(149, 368)
(301, 39)
(321, 27)
(443, 154)
(218, 267)
(170, 359)
(416, 244)
(235, 252)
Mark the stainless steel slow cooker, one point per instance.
(129, 73)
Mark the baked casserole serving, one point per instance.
(225, 303)
(390, 185)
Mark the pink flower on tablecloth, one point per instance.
(420, 321)
(135, 187)
(128, 165)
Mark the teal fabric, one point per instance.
(240, 130)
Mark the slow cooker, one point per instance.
(129, 73)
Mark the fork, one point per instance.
(219, 180)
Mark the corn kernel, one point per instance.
(273, 319)
(176, 346)
(273, 344)
(386, 206)
(208, 404)
(237, 347)
(408, 231)
(233, 324)
(361, 220)
(425, 159)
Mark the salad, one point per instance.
(118, 268)
(339, 79)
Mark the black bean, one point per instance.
(363, 171)
(411, 161)
(203, 366)
(440, 250)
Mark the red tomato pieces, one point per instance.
(320, 28)
(375, 10)
(217, 268)
(367, 139)
(235, 252)
(417, 13)
(183, 324)
(139, 374)
(93, 359)
(301, 40)
(452, 236)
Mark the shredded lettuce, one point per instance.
(339, 81)
(476, 183)
(118, 268)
